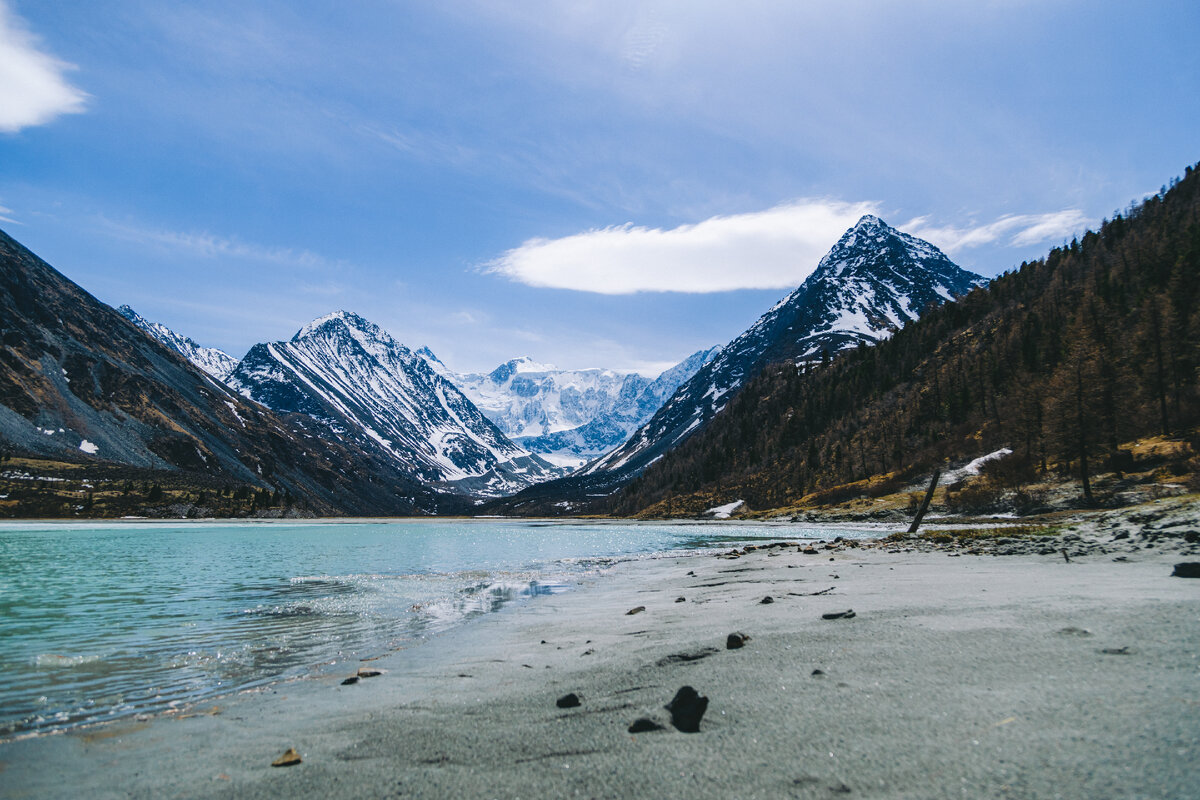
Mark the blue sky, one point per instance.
(601, 183)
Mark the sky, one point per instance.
(591, 184)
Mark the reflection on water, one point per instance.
(100, 621)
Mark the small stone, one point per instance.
(568, 701)
(367, 672)
(645, 725)
(1073, 631)
(767, 600)
(633, 611)
(1117, 651)
(736, 640)
(687, 708)
(680, 599)
(817, 673)
(351, 680)
(1187, 569)
(811, 551)
(847, 614)
(589, 652)
(692, 573)
(290, 758)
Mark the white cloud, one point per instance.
(771, 249)
(1018, 230)
(33, 89)
(4, 216)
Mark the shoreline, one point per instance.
(960, 674)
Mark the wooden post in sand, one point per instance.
(937, 473)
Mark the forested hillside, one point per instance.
(1062, 360)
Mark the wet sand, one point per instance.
(1020, 676)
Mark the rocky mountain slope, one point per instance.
(356, 379)
(216, 363)
(80, 383)
(873, 281)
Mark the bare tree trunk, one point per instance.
(937, 473)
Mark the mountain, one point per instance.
(630, 411)
(353, 377)
(216, 363)
(873, 281)
(527, 399)
(81, 384)
(1064, 362)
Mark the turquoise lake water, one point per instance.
(100, 621)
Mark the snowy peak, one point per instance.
(505, 371)
(872, 282)
(216, 363)
(354, 377)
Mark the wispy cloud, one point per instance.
(33, 87)
(4, 216)
(771, 249)
(207, 245)
(1014, 230)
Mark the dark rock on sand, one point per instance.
(1117, 651)
(847, 614)
(633, 611)
(570, 700)
(680, 599)
(1187, 569)
(817, 673)
(687, 708)
(645, 725)
(351, 680)
(290, 758)
(767, 600)
(736, 640)
(367, 672)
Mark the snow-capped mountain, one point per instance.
(631, 410)
(360, 382)
(216, 363)
(567, 416)
(873, 281)
(528, 399)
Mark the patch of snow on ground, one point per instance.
(723, 512)
(972, 469)
(88, 447)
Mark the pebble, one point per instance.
(568, 701)
(767, 600)
(633, 611)
(1187, 569)
(736, 640)
(290, 758)
(687, 708)
(847, 614)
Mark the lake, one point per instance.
(103, 620)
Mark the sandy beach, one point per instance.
(959, 675)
